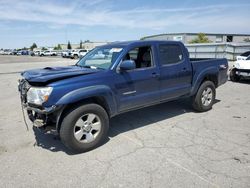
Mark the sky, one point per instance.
(50, 22)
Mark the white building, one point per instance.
(213, 37)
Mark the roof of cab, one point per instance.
(136, 42)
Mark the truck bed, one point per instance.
(218, 67)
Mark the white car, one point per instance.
(78, 53)
(48, 53)
(7, 52)
(65, 53)
(240, 70)
(243, 56)
(37, 53)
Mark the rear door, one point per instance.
(175, 71)
(140, 86)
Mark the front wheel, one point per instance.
(84, 128)
(205, 97)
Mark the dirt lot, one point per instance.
(167, 145)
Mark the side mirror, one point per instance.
(127, 65)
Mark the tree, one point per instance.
(201, 38)
(69, 46)
(24, 48)
(33, 46)
(58, 47)
(81, 44)
(87, 41)
(43, 48)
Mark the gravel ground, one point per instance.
(168, 145)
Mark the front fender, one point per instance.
(200, 75)
(88, 92)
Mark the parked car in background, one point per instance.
(32, 53)
(78, 53)
(14, 52)
(243, 56)
(59, 52)
(23, 52)
(48, 53)
(35, 53)
(7, 52)
(19, 52)
(79, 100)
(83, 53)
(71, 51)
(240, 70)
(1, 52)
(65, 53)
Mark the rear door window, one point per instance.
(170, 54)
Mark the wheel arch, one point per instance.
(206, 75)
(100, 100)
(101, 95)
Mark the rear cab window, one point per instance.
(170, 54)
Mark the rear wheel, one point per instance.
(233, 76)
(205, 97)
(84, 128)
(75, 56)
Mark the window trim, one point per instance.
(142, 68)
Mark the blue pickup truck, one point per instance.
(79, 100)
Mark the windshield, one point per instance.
(101, 58)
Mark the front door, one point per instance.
(138, 87)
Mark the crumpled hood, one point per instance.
(51, 74)
(242, 64)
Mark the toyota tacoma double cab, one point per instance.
(79, 100)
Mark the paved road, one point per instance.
(16, 64)
(7, 59)
(167, 145)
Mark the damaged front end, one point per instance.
(32, 99)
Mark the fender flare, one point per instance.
(88, 92)
(198, 78)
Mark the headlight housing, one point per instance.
(38, 95)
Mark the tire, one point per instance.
(205, 97)
(77, 132)
(75, 57)
(233, 76)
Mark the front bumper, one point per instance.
(243, 72)
(40, 116)
(44, 111)
(43, 117)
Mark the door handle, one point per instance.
(155, 75)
